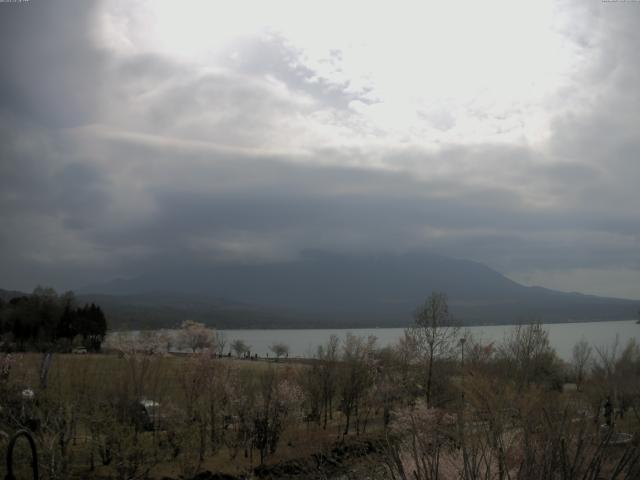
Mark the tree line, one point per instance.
(45, 321)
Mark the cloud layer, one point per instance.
(120, 152)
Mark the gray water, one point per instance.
(562, 336)
(304, 342)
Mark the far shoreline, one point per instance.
(365, 327)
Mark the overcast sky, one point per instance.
(134, 134)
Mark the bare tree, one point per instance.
(604, 368)
(278, 398)
(196, 336)
(319, 382)
(152, 341)
(358, 375)
(240, 347)
(417, 443)
(310, 381)
(627, 376)
(280, 349)
(220, 343)
(435, 333)
(202, 381)
(615, 376)
(328, 370)
(526, 353)
(581, 357)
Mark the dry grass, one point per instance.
(76, 379)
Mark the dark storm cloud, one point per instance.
(51, 73)
(171, 165)
(301, 206)
(211, 199)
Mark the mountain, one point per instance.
(321, 289)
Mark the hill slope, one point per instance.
(338, 290)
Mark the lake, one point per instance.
(563, 336)
(304, 342)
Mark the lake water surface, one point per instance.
(563, 336)
(304, 342)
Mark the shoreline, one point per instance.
(375, 327)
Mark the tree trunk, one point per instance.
(357, 420)
(429, 375)
(212, 435)
(348, 415)
(330, 407)
(44, 369)
(326, 413)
